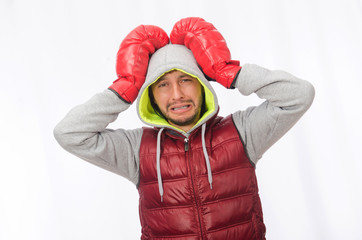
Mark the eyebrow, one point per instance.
(180, 76)
(162, 78)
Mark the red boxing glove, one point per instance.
(132, 60)
(208, 47)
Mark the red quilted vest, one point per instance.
(190, 210)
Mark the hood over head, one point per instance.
(168, 58)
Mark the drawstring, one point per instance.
(158, 155)
(207, 160)
(158, 165)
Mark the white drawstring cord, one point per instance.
(207, 160)
(158, 164)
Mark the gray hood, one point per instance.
(165, 59)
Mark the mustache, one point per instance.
(180, 102)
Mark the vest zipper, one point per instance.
(193, 187)
(186, 144)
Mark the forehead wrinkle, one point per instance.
(165, 76)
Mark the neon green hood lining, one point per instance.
(148, 114)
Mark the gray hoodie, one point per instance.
(84, 133)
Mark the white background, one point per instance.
(55, 54)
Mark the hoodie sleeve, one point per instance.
(83, 133)
(287, 99)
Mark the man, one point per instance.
(194, 170)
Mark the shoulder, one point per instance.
(224, 128)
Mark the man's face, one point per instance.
(179, 98)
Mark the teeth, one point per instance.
(180, 107)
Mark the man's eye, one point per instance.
(162, 85)
(186, 80)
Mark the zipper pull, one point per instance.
(186, 144)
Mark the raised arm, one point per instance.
(287, 99)
(83, 133)
(83, 130)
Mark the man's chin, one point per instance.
(183, 122)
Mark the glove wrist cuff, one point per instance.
(124, 90)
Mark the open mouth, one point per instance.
(179, 108)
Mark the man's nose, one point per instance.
(177, 92)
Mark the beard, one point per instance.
(185, 122)
(188, 120)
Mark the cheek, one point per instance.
(159, 100)
(156, 96)
(199, 95)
